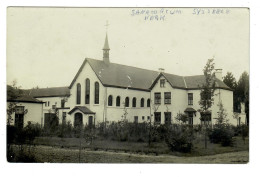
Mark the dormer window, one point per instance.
(162, 82)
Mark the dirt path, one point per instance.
(63, 155)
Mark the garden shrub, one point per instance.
(221, 134)
(180, 138)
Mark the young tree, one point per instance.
(207, 93)
(13, 92)
(155, 107)
(207, 88)
(183, 118)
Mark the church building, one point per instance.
(104, 91)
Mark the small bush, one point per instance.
(180, 138)
(222, 135)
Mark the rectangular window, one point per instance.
(135, 119)
(157, 117)
(162, 82)
(142, 117)
(167, 116)
(190, 98)
(48, 103)
(167, 97)
(157, 98)
(148, 117)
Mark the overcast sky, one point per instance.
(46, 46)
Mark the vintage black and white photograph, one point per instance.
(127, 85)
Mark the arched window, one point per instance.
(78, 93)
(148, 102)
(78, 119)
(118, 101)
(96, 93)
(87, 94)
(142, 102)
(126, 102)
(134, 102)
(110, 100)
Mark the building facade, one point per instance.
(104, 91)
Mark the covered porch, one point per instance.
(82, 116)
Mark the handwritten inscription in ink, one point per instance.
(155, 14)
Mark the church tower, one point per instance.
(106, 51)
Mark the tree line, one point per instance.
(240, 91)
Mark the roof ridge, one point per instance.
(48, 88)
(134, 67)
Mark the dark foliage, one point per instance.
(222, 134)
(180, 138)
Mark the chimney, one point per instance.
(218, 74)
(161, 70)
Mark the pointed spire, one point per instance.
(106, 46)
(106, 51)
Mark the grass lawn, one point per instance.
(142, 147)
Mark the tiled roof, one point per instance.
(49, 92)
(122, 75)
(25, 98)
(117, 75)
(194, 82)
(83, 109)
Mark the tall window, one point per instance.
(157, 98)
(62, 104)
(78, 93)
(162, 82)
(110, 100)
(87, 94)
(157, 117)
(148, 102)
(142, 102)
(167, 116)
(126, 102)
(134, 102)
(118, 101)
(167, 97)
(190, 98)
(96, 93)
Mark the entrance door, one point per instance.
(190, 114)
(78, 121)
(135, 119)
(19, 120)
(19, 116)
(90, 121)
